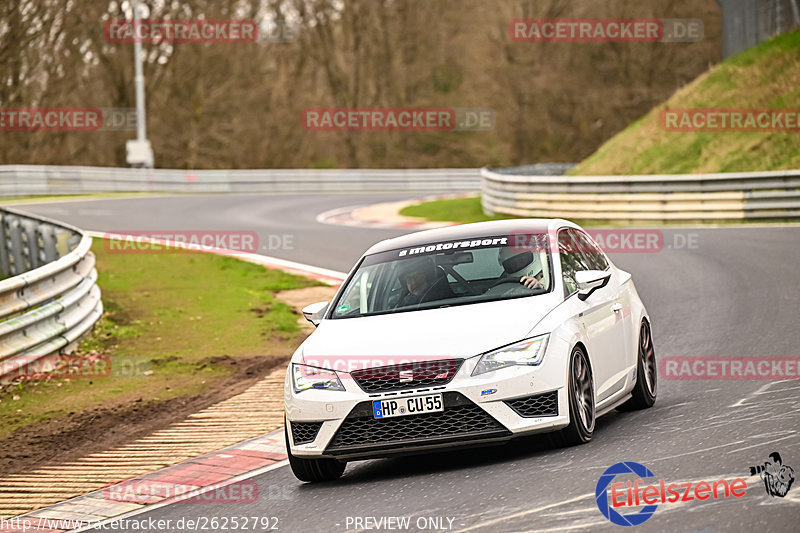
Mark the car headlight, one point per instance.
(310, 377)
(528, 352)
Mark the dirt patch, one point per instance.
(299, 298)
(262, 311)
(76, 435)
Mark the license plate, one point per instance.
(414, 405)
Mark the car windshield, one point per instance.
(442, 274)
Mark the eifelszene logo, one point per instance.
(601, 494)
(632, 495)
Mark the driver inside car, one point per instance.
(422, 281)
(522, 266)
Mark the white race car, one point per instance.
(464, 336)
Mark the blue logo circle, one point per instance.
(600, 494)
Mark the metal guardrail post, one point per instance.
(19, 180)
(773, 195)
(52, 298)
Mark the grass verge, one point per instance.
(764, 77)
(463, 210)
(174, 325)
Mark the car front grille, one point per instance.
(460, 420)
(305, 432)
(407, 375)
(537, 405)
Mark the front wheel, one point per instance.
(580, 396)
(313, 470)
(644, 391)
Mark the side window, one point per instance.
(578, 253)
(569, 261)
(590, 251)
(359, 296)
(355, 296)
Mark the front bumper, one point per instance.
(478, 410)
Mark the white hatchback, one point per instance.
(467, 335)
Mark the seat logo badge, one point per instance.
(406, 375)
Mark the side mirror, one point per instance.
(315, 312)
(590, 280)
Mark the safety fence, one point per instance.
(773, 195)
(49, 298)
(745, 23)
(29, 180)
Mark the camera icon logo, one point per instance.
(777, 477)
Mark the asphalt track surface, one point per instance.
(735, 292)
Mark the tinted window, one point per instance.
(592, 255)
(571, 262)
(578, 253)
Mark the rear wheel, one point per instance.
(580, 396)
(313, 470)
(644, 392)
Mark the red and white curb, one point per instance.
(185, 483)
(384, 215)
(343, 216)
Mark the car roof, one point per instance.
(475, 230)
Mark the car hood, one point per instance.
(458, 331)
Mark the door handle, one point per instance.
(617, 307)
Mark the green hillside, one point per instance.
(764, 77)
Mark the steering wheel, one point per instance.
(504, 281)
(511, 288)
(460, 280)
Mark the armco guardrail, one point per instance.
(650, 198)
(26, 180)
(51, 298)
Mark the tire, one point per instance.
(313, 470)
(646, 387)
(580, 397)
